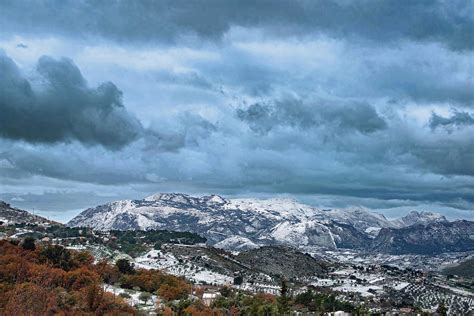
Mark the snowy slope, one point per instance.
(417, 218)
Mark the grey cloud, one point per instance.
(458, 119)
(447, 157)
(63, 108)
(358, 116)
(185, 130)
(430, 79)
(73, 163)
(447, 22)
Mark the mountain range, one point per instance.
(240, 224)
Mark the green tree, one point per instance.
(124, 266)
(58, 257)
(28, 243)
(283, 299)
(362, 310)
(145, 297)
(442, 310)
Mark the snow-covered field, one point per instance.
(157, 259)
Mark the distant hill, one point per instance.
(465, 269)
(437, 237)
(282, 261)
(12, 215)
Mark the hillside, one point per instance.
(465, 269)
(282, 261)
(433, 238)
(12, 215)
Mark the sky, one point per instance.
(334, 103)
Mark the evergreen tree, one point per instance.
(283, 300)
(124, 266)
(29, 243)
(442, 310)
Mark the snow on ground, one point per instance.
(260, 288)
(400, 286)
(206, 276)
(20, 232)
(157, 259)
(323, 282)
(134, 299)
(236, 242)
(373, 230)
(362, 289)
(101, 252)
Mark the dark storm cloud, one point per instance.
(63, 108)
(458, 119)
(446, 22)
(292, 112)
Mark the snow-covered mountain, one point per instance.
(240, 223)
(417, 218)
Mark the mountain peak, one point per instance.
(214, 199)
(422, 217)
(175, 197)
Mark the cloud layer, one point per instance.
(351, 103)
(446, 22)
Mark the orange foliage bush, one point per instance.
(45, 276)
(81, 278)
(171, 293)
(51, 280)
(30, 299)
(31, 285)
(166, 286)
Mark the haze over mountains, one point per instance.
(238, 224)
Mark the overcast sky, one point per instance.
(338, 104)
